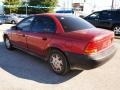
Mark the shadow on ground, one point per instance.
(29, 67)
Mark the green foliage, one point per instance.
(46, 3)
(11, 8)
(22, 10)
(30, 10)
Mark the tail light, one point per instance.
(95, 46)
(91, 48)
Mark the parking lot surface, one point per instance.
(21, 71)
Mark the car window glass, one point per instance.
(43, 24)
(116, 14)
(72, 23)
(94, 15)
(25, 25)
(105, 15)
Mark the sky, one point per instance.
(95, 3)
(1, 0)
(89, 5)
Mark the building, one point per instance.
(77, 8)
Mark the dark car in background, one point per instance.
(108, 19)
(2, 19)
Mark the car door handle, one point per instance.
(109, 19)
(44, 38)
(96, 19)
(23, 35)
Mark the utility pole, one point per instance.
(72, 6)
(26, 4)
(112, 6)
(64, 6)
(9, 6)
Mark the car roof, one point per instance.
(50, 14)
(108, 10)
(112, 10)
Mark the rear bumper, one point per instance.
(117, 37)
(85, 62)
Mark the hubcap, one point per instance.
(7, 42)
(117, 30)
(13, 22)
(56, 62)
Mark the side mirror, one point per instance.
(13, 28)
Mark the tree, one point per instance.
(41, 3)
(11, 6)
(22, 9)
(33, 7)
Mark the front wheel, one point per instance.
(116, 30)
(58, 62)
(8, 43)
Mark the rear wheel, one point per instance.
(58, 62)
(13, 22)
(116, 30)
(8, 43)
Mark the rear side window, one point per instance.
(43, 24)
(73, 23)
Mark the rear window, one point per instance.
(73, 23)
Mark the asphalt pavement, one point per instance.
(21, 71)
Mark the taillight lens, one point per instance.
(91, 48)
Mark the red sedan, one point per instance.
(66, 42)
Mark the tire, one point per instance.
(8, 44)
(58, 62)
(13, 22)
(116, 30)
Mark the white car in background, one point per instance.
(14, 19)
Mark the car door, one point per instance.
(42, 30)
(105, 19)
(93, 18)
(19, 36)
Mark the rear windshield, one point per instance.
(73, 23)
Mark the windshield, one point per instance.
(73, 23)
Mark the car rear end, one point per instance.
(90, 46)
(101, 48)
(98, 50)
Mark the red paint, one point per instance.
(79, 42)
